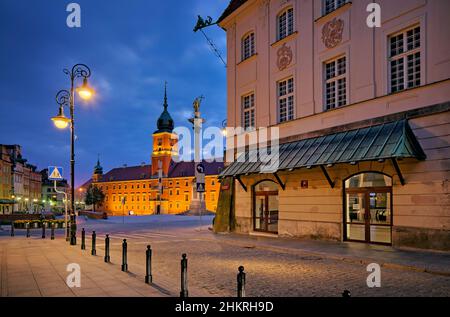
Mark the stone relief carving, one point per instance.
(332, 32)
(285, 55)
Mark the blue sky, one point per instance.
(132, 47)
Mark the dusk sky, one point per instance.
(132, 47)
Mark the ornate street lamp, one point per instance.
(67, 98)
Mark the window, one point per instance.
(285, 24)
(248, 46)
(404, 59)
(335, 83)
(248, 111)
(331, 5)
(285, 92)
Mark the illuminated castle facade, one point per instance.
(135, 190)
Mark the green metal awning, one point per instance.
(7, 201)
(394, 140)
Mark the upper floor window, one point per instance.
(248, 46)
(285, 24)
(331, 5)
(248, 111)
(404, 59)
(335, 83)
(285, 93)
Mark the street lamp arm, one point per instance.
(79, 70)
(63, 98)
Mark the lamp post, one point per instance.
(67, 98)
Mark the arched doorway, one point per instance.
(368, 208)
(265, 206)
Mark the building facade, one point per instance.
(135, 190)
(363, 118)
(24, 181)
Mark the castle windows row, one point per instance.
(404, 72)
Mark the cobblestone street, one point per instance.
(213, 263)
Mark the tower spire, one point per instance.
(165, 95)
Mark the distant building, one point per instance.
(24, 182)
(135, 189)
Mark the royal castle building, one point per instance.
(136, 189)
(363, 114)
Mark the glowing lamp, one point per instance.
(61, 121)
(85, 92)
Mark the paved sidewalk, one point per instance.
(434, 262)
(36, 267)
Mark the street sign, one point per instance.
(200, 187)
(55, 173)
(200, 174)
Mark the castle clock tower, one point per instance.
(164, 141)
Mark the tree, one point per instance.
(94, 196)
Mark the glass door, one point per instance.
(266, 212)
(356, 216)
(380, 220)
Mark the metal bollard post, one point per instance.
(12, 228)
(241, 282)
(43, 230)
(124, 256)
(52, 234)
(83, 239)
(184, 286)
(27, 225)
(107, 257)
(148, 275)
(94, 237)
(346, 293)
(68, 232)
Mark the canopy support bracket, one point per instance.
(283, 185)
(398, 171)
(240, 182)
(327, 176)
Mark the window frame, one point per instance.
(404, 57)
(251, 36)
(288, 32)
(286, 97)
(335, 4)
(335, 79)
(251, 109)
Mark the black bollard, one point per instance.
(12, 229)
(184, 286)
(83, 239)
(107, 257)
(94, 237)
(148, 275)
(52, 234)
(241, 282)
(68, 231)
(27, 225)
(346, 293)
(124, 256)
(43, 230)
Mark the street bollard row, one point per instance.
(148, 265)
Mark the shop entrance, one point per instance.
(368, 208)
(265, 207)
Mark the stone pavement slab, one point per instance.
(435, 262)
(36, 267)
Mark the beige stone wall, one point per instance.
(421, 212)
